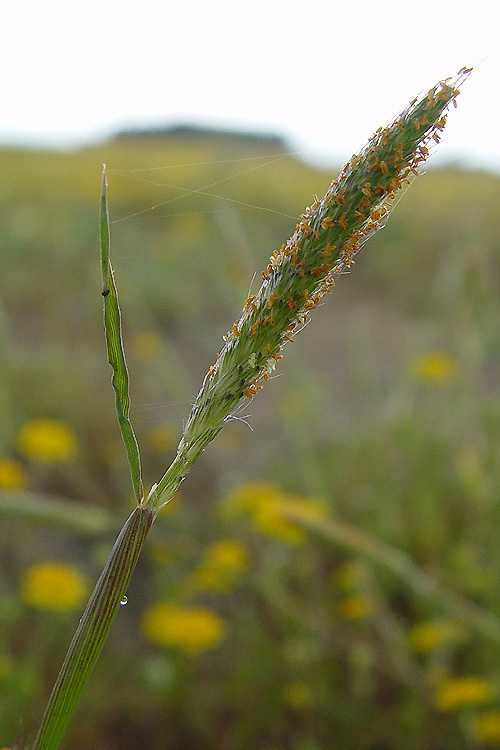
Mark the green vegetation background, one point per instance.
(407, 455)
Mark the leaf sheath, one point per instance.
(93, 629)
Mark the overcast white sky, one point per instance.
(324, 74)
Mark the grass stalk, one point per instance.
(299, 274)
(93, 629)
(330, 233)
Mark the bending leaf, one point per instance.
(116, 356)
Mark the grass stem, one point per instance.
(93, 629)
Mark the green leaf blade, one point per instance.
(114, 343)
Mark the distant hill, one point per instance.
(198, 132)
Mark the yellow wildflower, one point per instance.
(12, 475)
(270, 522)
(298, 694)
(47, 441)
(252, 496)
(432, 635)
(435, 367)
(53, 585)
(189, 629)
(276, 519)
(461, 692)
(272, 510)
(227, 553)
(486, 728)
(355, 607)
(222, 563)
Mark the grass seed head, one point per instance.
(325, 242)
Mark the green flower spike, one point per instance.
(325, 241)
(324, 244)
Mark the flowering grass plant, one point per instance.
(325, 242)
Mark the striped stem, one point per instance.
(324, 244)
(93, 629)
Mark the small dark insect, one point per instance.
(105, 293)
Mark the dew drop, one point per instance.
(123, 601)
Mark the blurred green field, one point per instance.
(245, 630)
